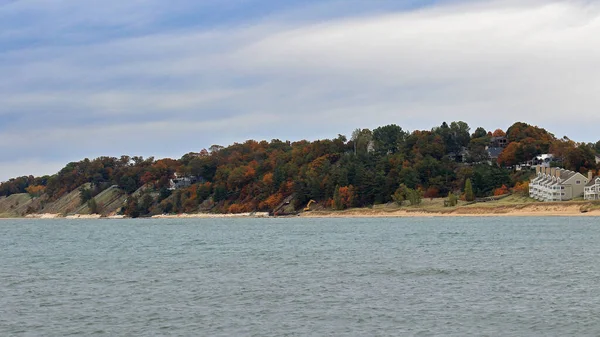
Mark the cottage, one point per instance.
(459, 157)
(592, 188)
(181, 182)
(544, 159)
(556, 184)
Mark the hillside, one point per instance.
(373, 167)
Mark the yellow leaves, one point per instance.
(521, 188)
(268, 179)
(35, 190)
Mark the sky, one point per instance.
(82, 79)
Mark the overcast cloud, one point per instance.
(157, 78)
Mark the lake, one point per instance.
(495, 276)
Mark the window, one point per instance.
(578, 182)
(562, 187)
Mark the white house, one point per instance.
(592, 189)
(544, 159)
(556, 184)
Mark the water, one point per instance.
(300, 277)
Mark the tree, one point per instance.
(460, 136)
(521, 188)
(452, 200)
(501, 190)
(93, 206)
(388, 139)
(131, 208)
(479, 133)
(361, 140)
(498, 133)
(85, 194)
(337, 201)
(35, 190)
(406, 193)
(510, 156)
(413, 196)
(469, 196)
(580, 159)
(400, 195)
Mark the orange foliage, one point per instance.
(287, 187)
(501, 190)
(347, 196)
(250, 173)
(508, 156)
(272, 201)
(498, 133)
(521, 188)
(268, 179)
(238, 208)
(35, 190)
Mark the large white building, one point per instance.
(556, 184)
(592, 189)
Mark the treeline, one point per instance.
(372, 167)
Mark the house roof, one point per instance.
(565, 174)
(545, 156)
(494, 152)
(592, 182)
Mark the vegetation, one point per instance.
(387, 164)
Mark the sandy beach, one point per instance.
(475, 210)
(533, 209)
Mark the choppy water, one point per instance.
(288, 277)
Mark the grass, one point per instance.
(436, 205)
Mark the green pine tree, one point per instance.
(337, 200)
(469, 196)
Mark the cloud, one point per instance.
(127, 82)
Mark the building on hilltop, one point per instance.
(494, 152)
(543, 159)
(556, 184)
(181, 182)
(501, 142)
(592, 188)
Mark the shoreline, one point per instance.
(515, 210)
(481, 210)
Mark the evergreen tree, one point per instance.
(337, 200)
(452, 200)
(469, 196)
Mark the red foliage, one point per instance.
(432, 192)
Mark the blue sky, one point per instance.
(162, 78)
